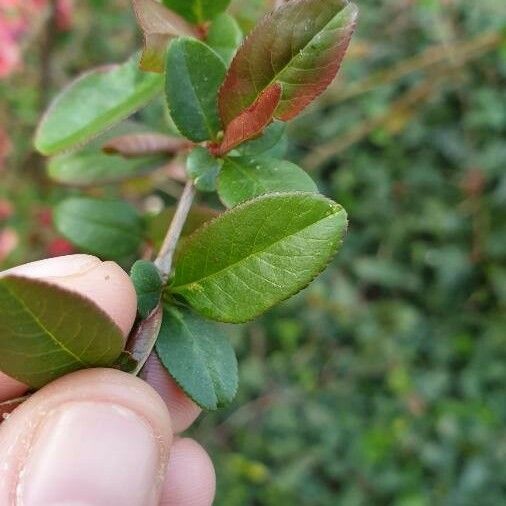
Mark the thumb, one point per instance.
(94, 438)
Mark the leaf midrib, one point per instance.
(179, 288)
(43, 328)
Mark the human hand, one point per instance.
(101, 437)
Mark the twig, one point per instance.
(143, 338)
(166, 254)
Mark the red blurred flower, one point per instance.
(5, 146)
(59, 247)
(44, 216)
(16, 20)
(8, 242)
(5, 209)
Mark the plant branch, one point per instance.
(142, 340)
(166, 254)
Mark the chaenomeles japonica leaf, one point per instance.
(148, 285)
(158, 25)
(266, 143)
(244, 178)
(194, 74)
(92, 168)
(300, 45)
(93, 103)
(203, 169)
(89, 166)
(198, 355)
(111, 229)
(197, 11)
(224, 36)
(257, 254)
(47, 331)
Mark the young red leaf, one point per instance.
(300, 45)
(252, 121)
(143, 144)
(159, 25)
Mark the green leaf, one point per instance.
(197, 11)
(89, 168)
(300, 45)
(107, 228)
(148, 285)
(271, 138)
(225, 36)
(197, 354)
(245, 178)
(194, 75)
(93, 103)
(47, 331)
(258, 254)
(203, 169)
(157, 225)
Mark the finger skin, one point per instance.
(105, 283)
(190, 478)
(183, 411)
(10, 388)
(25, 432)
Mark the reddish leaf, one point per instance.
(133, 145)
(143, 337)
(252, 121)
(159, 25)
(300, 45)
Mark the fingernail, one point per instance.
(91, 454)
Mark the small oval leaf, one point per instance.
(148, 285)
(90, 168)
(257, 254)
(108, 228)
(199, 357)
(193, 76)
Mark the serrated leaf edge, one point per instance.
(295, 292)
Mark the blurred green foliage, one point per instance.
(384, 382)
